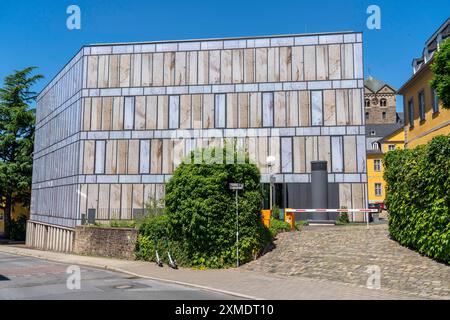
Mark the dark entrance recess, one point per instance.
(298, 196)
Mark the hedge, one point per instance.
(199, 221)
(418, 197)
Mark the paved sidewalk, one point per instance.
(23, 278)
(238, 282)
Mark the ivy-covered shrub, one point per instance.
(199, 222)
(418, 197)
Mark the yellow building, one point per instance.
(18, 210)
(425, 117)
(375, 166)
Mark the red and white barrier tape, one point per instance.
(331, 210)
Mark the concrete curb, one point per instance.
(239, 295)
(106, 267)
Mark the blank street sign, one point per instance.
(236, 186)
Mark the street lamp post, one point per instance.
(237, 230)
(270, 162)
(237, 187)
(271, 189)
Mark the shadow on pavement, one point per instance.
(3, 278)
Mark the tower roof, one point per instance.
(375, 85)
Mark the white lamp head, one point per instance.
(270, 161)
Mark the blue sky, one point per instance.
(34, 32)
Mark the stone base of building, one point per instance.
(49, 237)
(96, 241)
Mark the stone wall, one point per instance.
(105, 242)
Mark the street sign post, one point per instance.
(237, 187)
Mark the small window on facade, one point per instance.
(144, 156)
(375, 146)
(99, 157)
(422, 106)
(129, 113)
(316, 108)
(378, 189)
(174, 112)
(411, 112)
(435, 101)
(286, 155)
(267, 103)
(337, 154)
(367, 103)
(377, 165)
(383, 102)
(383, 115)
(220, 110)
(391, 147)
(367, 116)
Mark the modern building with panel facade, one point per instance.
(117, 120)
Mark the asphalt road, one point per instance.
(31, 278)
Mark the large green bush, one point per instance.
(200, 213)
(418, 197)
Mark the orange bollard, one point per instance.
(265, 216)
(289, 217)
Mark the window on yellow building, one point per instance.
(378, 189)
(435, 100)
(377, 165)
(422, 105)
(411, 112)
(391, 147)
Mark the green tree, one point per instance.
(441, 70)
(17, 118)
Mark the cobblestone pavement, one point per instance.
(344, 253)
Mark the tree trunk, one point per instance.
(7, 215)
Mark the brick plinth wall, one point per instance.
(105, 242)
